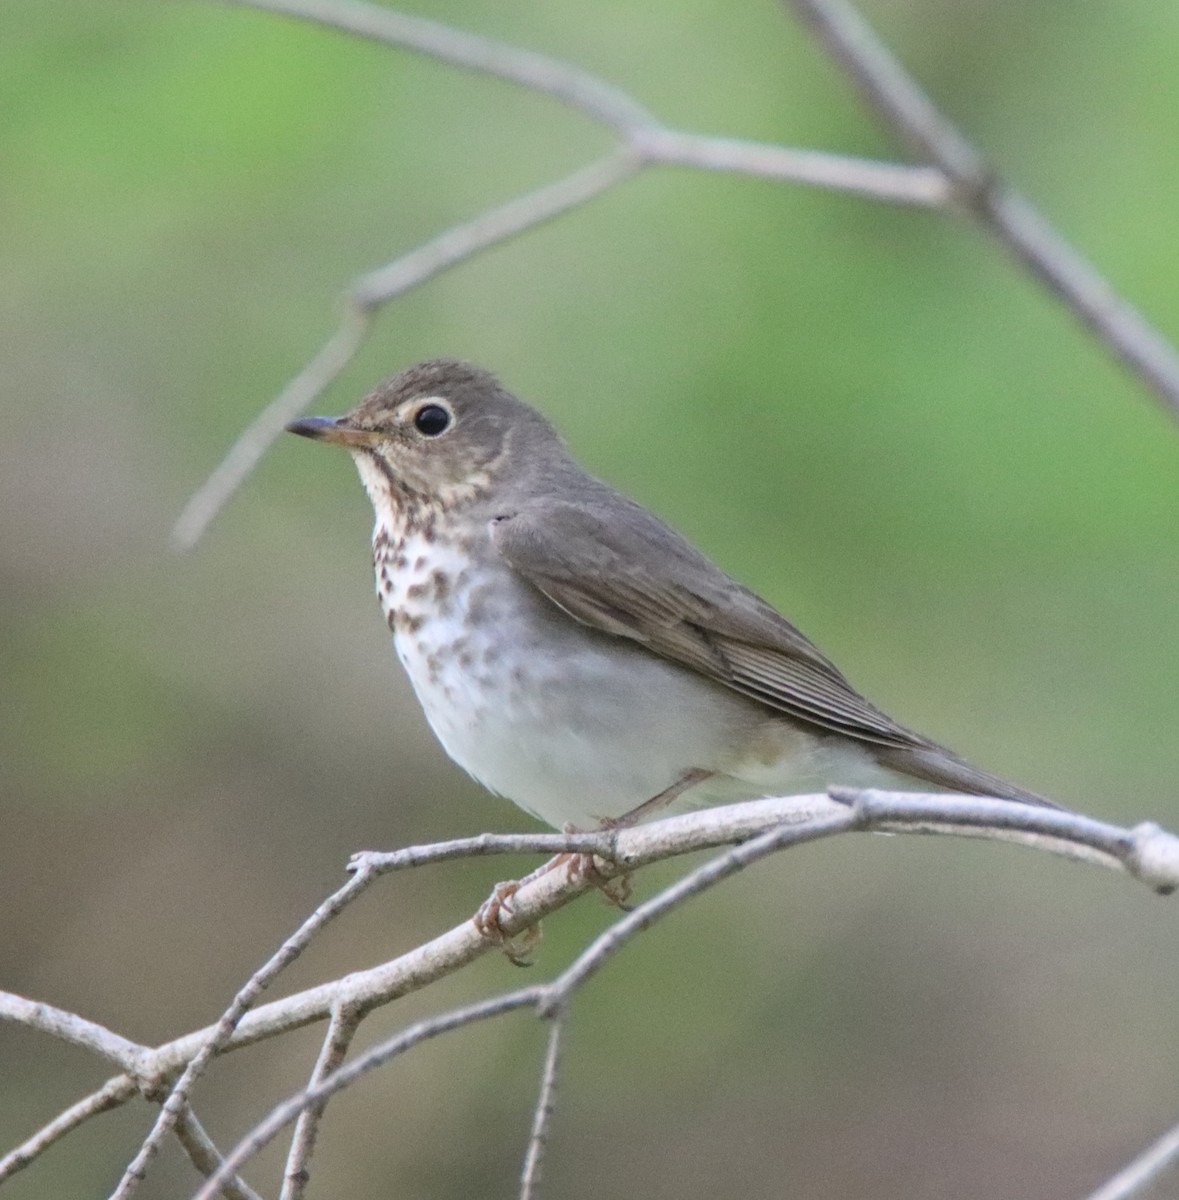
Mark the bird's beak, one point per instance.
(332, 429)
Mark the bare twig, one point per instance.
(925, 187)
(492, 227)
(550, 1000)
(283, 1114)
(593, 97)
(369, 292)
(484, 844)
(114, 1093)
(342, 1027)
(543, 1114)
(335, 354)
(1146, 852)
(69, 1027)
(177, 1101)
(207, 1158)
(898, 100)
(642, 142)
(1140, 1177)
(959, 178)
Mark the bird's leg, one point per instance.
(649, 807)
(519, 949)
(579, 868)
(618, 890)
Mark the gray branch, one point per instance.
(176, 1103)
(113, 1094)
(1138, 1179)
(546, 1102)
(207, 1158)
(958, 180)
(283, 1114)
(757, 828)
(1145, 851)
(901, 104)
(342, 1027)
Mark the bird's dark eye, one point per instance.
(431, 419)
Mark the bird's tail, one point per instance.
(934, 765)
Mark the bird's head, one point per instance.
(435, 434)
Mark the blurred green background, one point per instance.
(867, 413)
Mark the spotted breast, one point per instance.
(533, 705)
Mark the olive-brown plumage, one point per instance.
(570, 649)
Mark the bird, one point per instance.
(575, 654)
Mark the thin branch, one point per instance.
(208, 500)
(1114, 321)
(550, 1000)
(207, 1158)
(925, 187)
(543, 1113)
(283, 1114)
(579, 89)
(114, 1093)
(367, 293)
(601, 101)
(342, 1027)
(177, 1101)
(492, 227)
(482, 845)
(1140, 1177)
(1146, 852)
(899, 101)
(69, 1027)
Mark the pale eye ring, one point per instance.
(431, 420)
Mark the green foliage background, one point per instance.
(867, 413)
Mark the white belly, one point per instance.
(570, 724)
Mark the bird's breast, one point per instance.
(454, 614)
(570, 723)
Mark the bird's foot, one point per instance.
(579, 869)
(518, 948)
(584, 869)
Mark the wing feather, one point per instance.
(629, 575)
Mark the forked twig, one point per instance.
(345, 1021)
(1146, 852)
(958, 179)
(283, 1114)
(207, 1158)
(177, 1102)
(894, 95)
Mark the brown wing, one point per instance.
(626, 573)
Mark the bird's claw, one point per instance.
(517, 948)
(583, 868)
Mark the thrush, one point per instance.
(574, 653)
